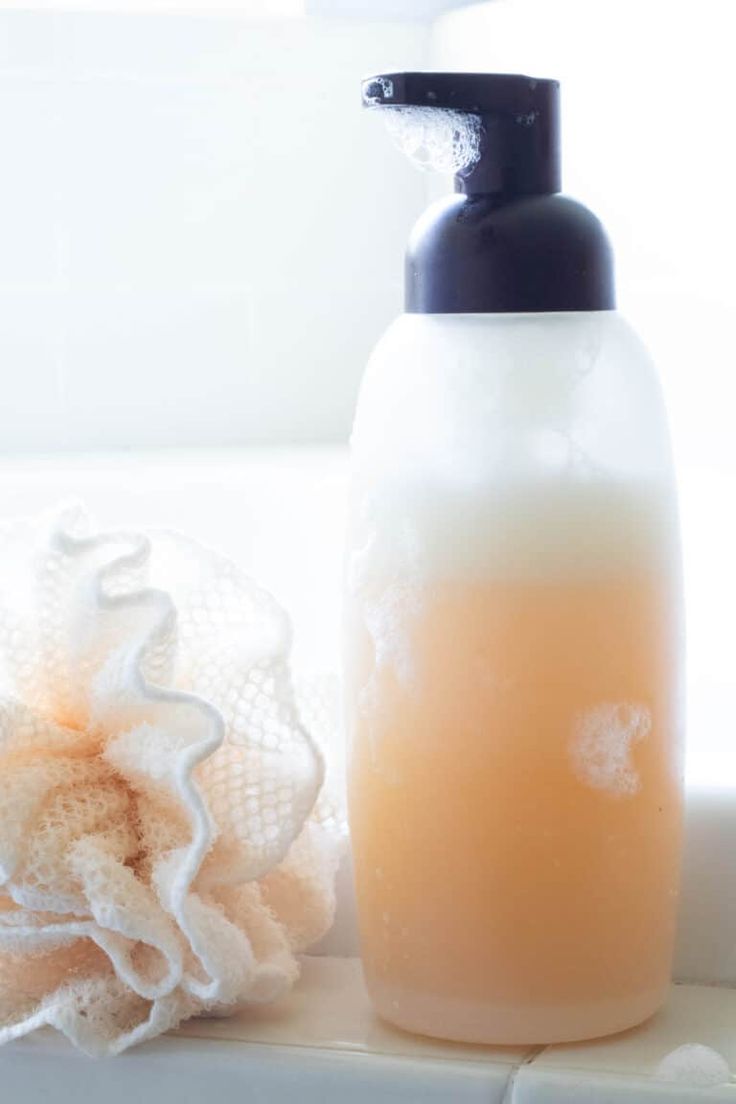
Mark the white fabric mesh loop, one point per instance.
(164, 848)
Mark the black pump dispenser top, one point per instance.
(507, 241)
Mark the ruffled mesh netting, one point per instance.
(164, 848)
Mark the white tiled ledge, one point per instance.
(323, 1044)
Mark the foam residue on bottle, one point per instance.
(436, 140)
(602, 744)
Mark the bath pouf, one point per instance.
(165, 847)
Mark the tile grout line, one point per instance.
(706, 984)
(508, 1094)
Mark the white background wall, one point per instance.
(201, 234)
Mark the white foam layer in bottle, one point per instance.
(519, 532)
(530, 446)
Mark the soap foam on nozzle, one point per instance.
(436, 139)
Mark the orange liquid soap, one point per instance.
(515, 802)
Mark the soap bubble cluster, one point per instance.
(436, 139)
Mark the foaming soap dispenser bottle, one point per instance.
(513, 614)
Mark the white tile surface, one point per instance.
(622, 1068)
(320, 1045)
(570, 1087)
(706, 941)
(693, 1014)
(330, 1009)
(323, 1045)
(189, 1071)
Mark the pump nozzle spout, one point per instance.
(497, 133)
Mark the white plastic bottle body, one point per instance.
(513, 677)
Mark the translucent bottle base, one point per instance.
(511, 1025)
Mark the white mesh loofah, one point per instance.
(163, 846)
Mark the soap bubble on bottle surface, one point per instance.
(389, 619)
(602, 743)
(436, 140)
